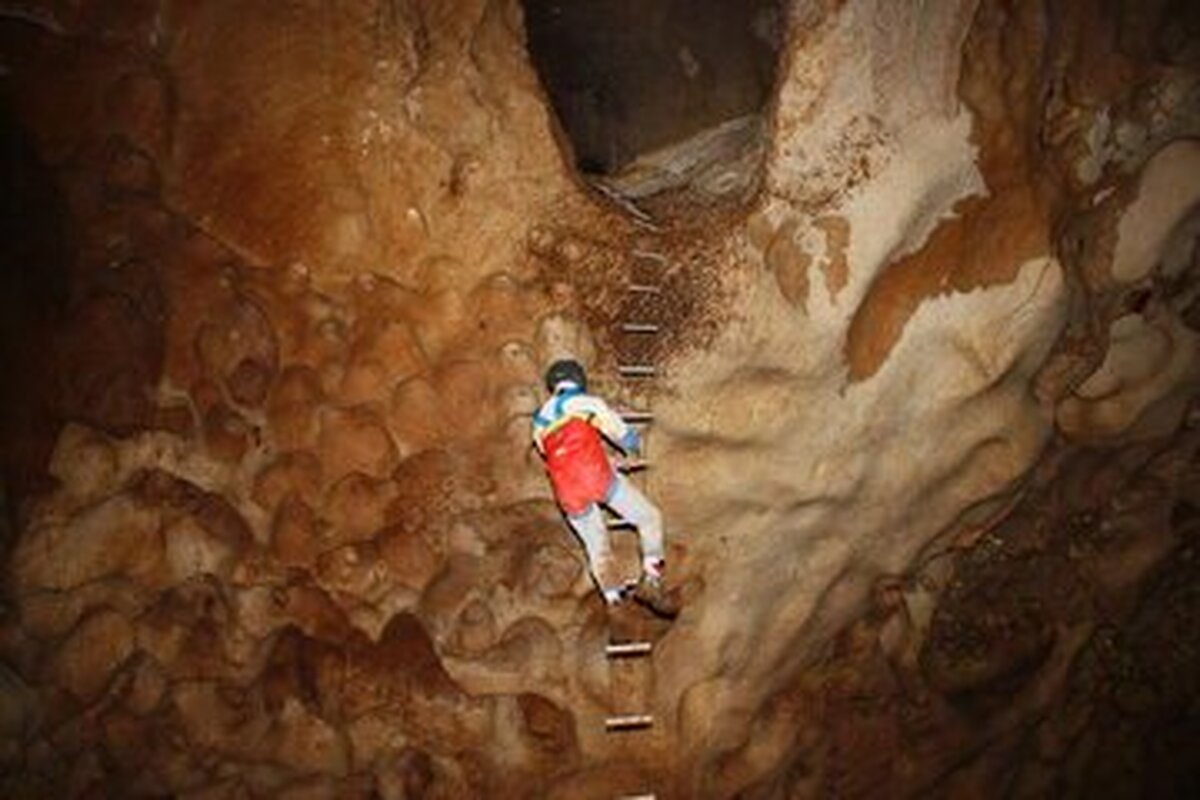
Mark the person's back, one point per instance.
(567, 431)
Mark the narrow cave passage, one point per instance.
(675, 87)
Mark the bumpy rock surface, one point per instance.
(279, 280)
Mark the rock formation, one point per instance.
(279, 282)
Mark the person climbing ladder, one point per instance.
(569, 432)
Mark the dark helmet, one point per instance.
(566, 369)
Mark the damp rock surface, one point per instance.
(279, 283)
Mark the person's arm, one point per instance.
(608, 421)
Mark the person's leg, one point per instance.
(591, 530)
(634, 507)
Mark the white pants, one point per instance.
(628, 502)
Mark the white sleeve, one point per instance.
(600, 414)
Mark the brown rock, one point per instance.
(453, 587)
(475, 629)
(466, 390)
(354, 440)
(984, 245)
(530, 647)
(296, 532)
(124, 738)
(114, 537)
(227, 434)
(249, 382)
(550, 571)
(187, 631)
(408, 556)
(354, 570)
(379, 360)
(147, 686)
(96, 648)
(205, 394)
(210, 713)
(290, 671)
(409, 775)
(295, 427)
(354, 787)
(498, 306)
(129, 172)
(759, 231)
(431, 486)
(834, 265)
(365, 380)
(192, 549)
(406, 642)
(236, 345)
(84, 461)
(297, 385)
(135, 22)
(790, 264)
(210, 510)
(112, 363)
(297, 473)
(355, 507)
(317, 615)
(137, 105)
(395, 345)
(176, 418)
(437, 321)
(292, 409)
(550, 727)
(53, 613)
(968, 658)
(414, 415)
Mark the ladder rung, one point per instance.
(647, 255)
(627, 722)
(628, 649)
(639, 216)
(644, 288)
(619, 524)
(639, 327)
(636, 370)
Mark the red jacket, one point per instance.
(579, 468)
(569, 430)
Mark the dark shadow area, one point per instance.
(81, 322)
(627, 77)
(36, 252)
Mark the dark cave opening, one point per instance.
(34, 287)
(630, 77)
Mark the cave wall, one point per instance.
(931, 304)
(925, 438)
(299, 334)
(384, 135)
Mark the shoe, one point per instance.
(651, 593)
(614, 595)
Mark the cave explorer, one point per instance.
(568, 431)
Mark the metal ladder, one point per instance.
(628, 650)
